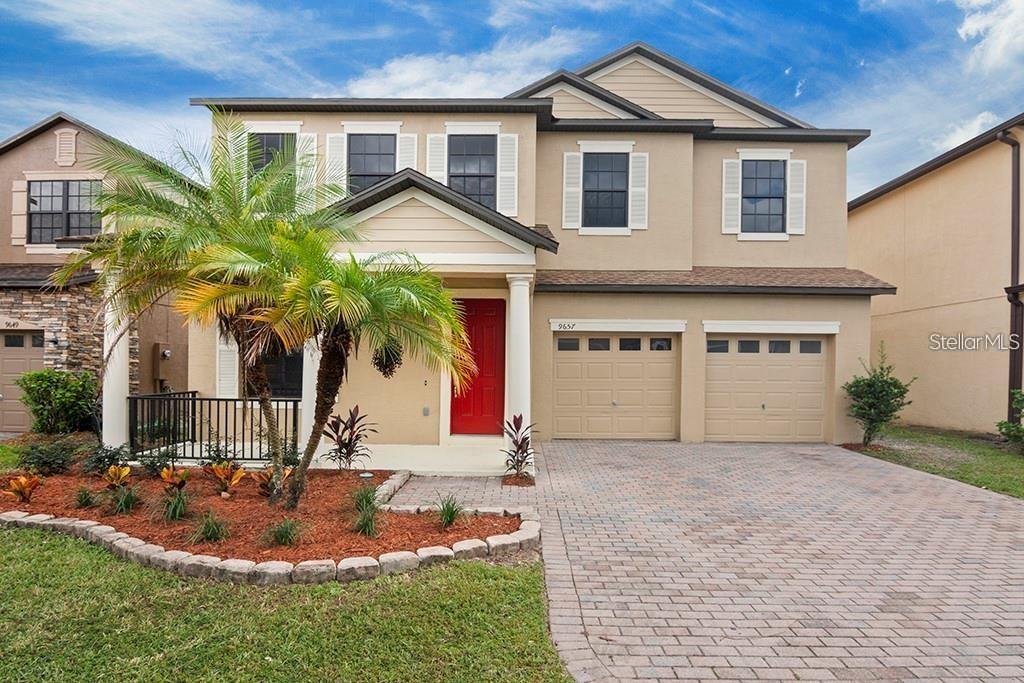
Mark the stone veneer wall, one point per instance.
(73, 317)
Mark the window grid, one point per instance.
(62, 208)
(764, 196)
(472, 167)
(269, 144)
(605, 189)
(371, 159)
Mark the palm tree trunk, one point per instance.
(334, 351)
(260, 386)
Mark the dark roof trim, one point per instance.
(408, 178)
(44, 283)
(47, 123)
(699, 77)
(538, 105)
(713, 289)
(966, 148)
(628, 125)
(592, 89)
(851, 136)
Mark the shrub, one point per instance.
(366, 524)
(876, 399)
(48, 459)
(117, 475)
(225, 474)
(449, 511)
(286, 532)
(101, 459)
(85, 498)
(348, 436)
(210, 529)
(519, 457)
(21, 488)
(174, 478)
(1014, 431)
(124, 499)
(217, 450)
(61, 401)
(365, 498)
(175, 504)
(264, 476)
(157, 460)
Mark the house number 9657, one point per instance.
(567, 326)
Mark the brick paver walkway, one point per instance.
(722, 561)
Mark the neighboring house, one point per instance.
(643, 252)
(47, 194)
(945, 233)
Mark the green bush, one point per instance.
(449, 511)
(286, 532)
(210, 529)
(47, 459)
(61, 401)
(153, 462)
(101, 459)
(175, 505)
(85, 498)
(124, 499)
(1014, 431)
(876, 399)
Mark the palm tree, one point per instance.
(169, 222)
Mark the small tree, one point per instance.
(61, 401)
(876, 399)
(1014, 431)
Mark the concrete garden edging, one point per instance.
(274, 573)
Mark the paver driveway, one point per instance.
(723, 561)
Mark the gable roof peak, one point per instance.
(588, 87)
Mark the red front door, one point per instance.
(480, 408)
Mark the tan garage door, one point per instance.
(19, 353)
(616, 386)
(765, 388)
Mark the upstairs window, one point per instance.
(269, 144)
(62, 208)
(473, 167)
(605, 189)
(371, 159)
(764, 196)
(284, 373)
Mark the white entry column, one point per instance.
(115, 381)
(310, 365)
(519, 371)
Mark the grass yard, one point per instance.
(73, 612)
(972, 459)
(8, 457)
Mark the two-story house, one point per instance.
(48, 196)
(642, 251)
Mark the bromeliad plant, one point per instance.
(225, 475)
(348, 435)
(117, 475)
(21, 488)
(518, 458)
(174, 478)
(265, 477)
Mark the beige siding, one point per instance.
(668, 97)
(944, 241)
(569, 106)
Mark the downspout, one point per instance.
(1013, 291)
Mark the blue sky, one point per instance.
(922, 74)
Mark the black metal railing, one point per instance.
(205, 429)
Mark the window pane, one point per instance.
(763, 206)
(270, 144)
(285, 374)
(568, 344)
(14, 340)
(778, 346)
(605, 190)
(371, 159)
(749, 346)
(810, 346)
(37, 341)
(661, 343)
(629, 343)
(718, 346)
(599, 344)
(472, 164)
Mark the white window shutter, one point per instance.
(731, 196)
(305, 151)
(406, 157)
(796, 201)
(508, 171)
(638, 181)
(337, 159)
(572, 190)
(227, 367)
(437, 157)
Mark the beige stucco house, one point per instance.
(643, 252)
(946, 233)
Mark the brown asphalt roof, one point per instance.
(716, 279)
(35, 275)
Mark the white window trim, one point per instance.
(606, 146)
(764, 154)
(62, 175)
(586, 97)
(606, 231)
(771, 326)
(615, 325)
(372, 127)
(472, 127)
(273, 126)
(762, 236)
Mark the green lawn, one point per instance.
(973, 459)
(72, 612)
(8, 457)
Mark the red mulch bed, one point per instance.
(325, 513)
(517, 480)
(860, 448)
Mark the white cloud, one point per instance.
(225, 38)
(506, 13)
(965, 130)
(996, 27)
(800, 87)
(788, 70)
(511, 63)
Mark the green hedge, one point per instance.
(61, 401)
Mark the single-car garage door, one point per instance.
(616, 386)
(765, 388)
(19, 353)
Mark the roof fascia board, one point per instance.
(713, 289)
(536, 89)
(851, 136)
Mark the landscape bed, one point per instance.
(325, 517)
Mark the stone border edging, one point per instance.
(389, 488)
(277, 572)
